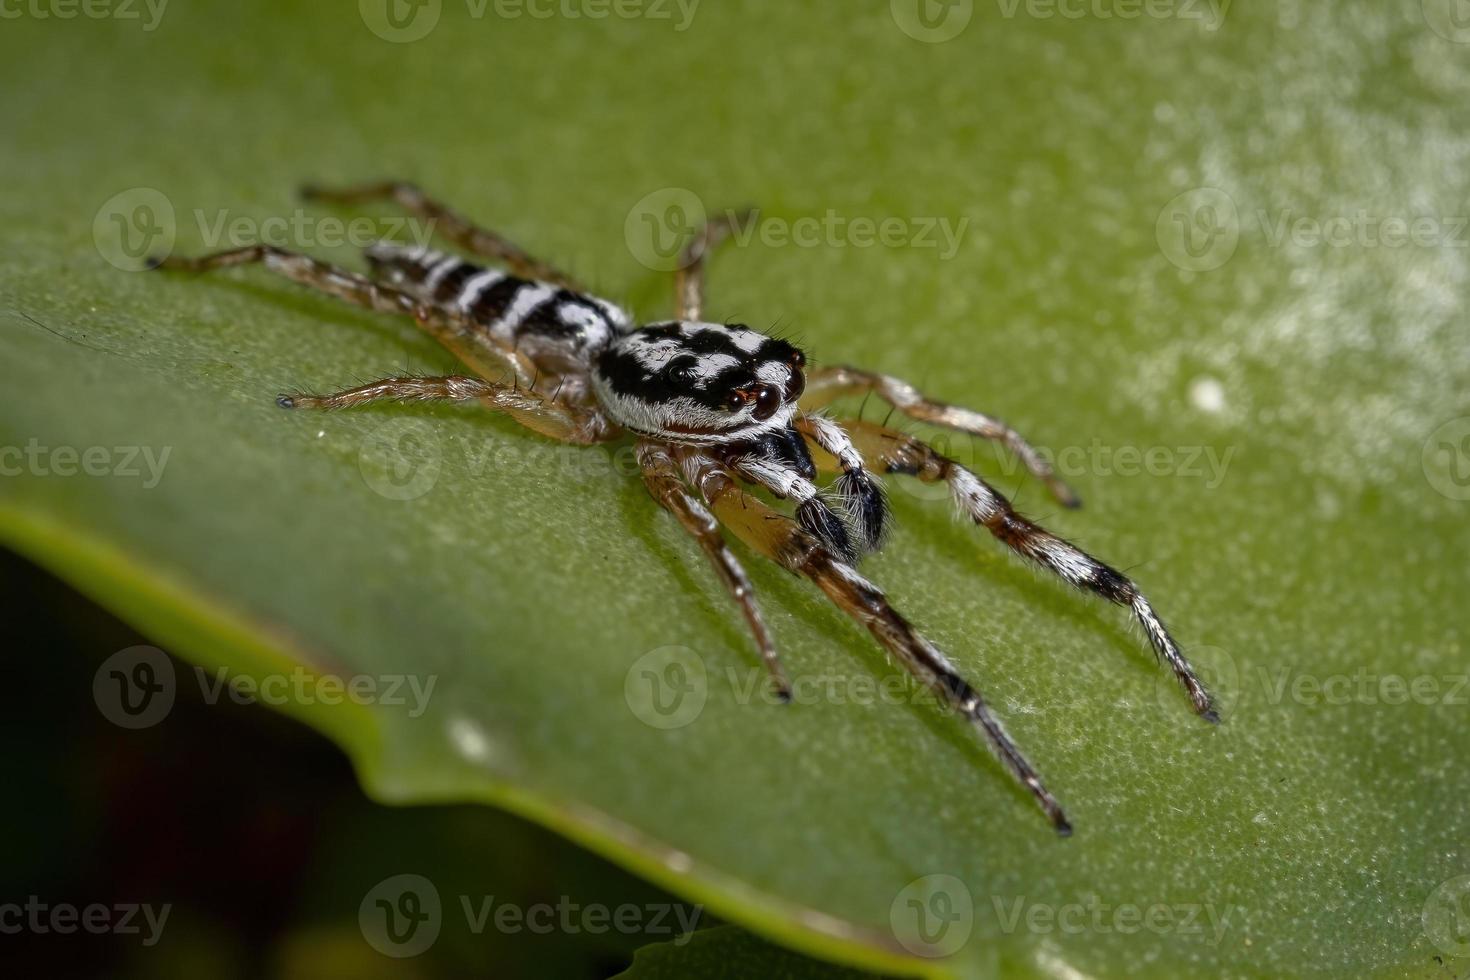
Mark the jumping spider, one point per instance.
(713, 406)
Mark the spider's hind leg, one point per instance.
(449, 223)
(321, 276)
(562, 422)
(890, 451)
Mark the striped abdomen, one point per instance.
(520, 314)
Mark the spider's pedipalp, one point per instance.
(795, 549)
(813, 513)
(859, 495)
(828, 383)
(895, 452)
(661, 475)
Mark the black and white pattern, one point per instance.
(517, 312)
(700, 383)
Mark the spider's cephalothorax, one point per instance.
(734, 391)
(713, 406)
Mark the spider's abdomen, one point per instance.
(536, 318)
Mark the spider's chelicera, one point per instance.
(714, 408)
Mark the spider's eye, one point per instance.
(682, 372)
(798, 359)
(767, 400)
(796, 385)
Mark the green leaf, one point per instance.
(1259, 388)
(728, 952)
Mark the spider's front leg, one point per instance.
(890, 451)
(825, 384)
(785, 542)
(450, 224)
(565, 423)
(689, 279)
(661, 474)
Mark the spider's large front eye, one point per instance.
(767, 400)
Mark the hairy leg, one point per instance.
(369, 294)
(789, 545)
(689, 279)
(890, 451)
(453, 226)
(562, 422)
(826, 384)
(661, 474)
